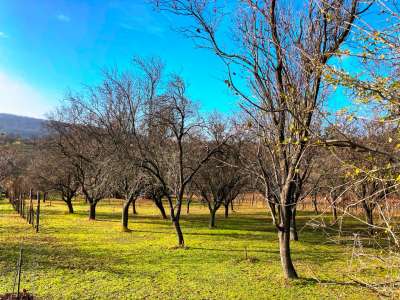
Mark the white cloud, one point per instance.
(63, 18)
(20, 98)
(3, 35)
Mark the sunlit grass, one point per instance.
(74, 258)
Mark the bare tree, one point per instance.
(82, 145)
(174, 159)
(222, 178)
(152, 125)
(127, 178)
(51, 170)
(155, 192)
(281, 50)
(7, 163)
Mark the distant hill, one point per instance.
(23, 127)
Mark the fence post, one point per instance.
(19, 273)
(30, 206)
(18, 205)
(37, 211)
(21, 199)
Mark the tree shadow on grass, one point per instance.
(306, 281)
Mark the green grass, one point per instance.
(74, 258)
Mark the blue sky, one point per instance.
(50, 46)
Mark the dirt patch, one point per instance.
(22, 296)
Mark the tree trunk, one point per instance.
(160, 206)
(293, 228)
(67, 198)
(212, 218)
(226, 211)
(179, 233)
(315, 203)
(232, 206)
(334, 210)
(284, 244)
(187, 207)
(134, 207)
(70, 207)
(273, 212)
(92, 211)
(369, 217)
(125, 214)
(370, 220)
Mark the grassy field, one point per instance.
(74, 258)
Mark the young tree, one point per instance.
(222, 178)
(128, 179)
(190, 194)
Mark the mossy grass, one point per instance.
(74, 258)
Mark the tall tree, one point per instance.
(278, 54)
(175, 158)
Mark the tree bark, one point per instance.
(273, 212)
(370, 221)
(315, 203)
(125, 213)
(285, 211)
(134, 206)
(212, 218)
(67, 198)
(92, 211)
(284, 244)
(334, 210)
(369, 217)
(160, 206)
(181, 241)
(226, 210)
(187, 207)
(293, 228)
(70, 207)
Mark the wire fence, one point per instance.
(29, 209)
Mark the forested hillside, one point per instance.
(24, 127)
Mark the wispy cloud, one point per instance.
(3, 35)
(63, 18)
